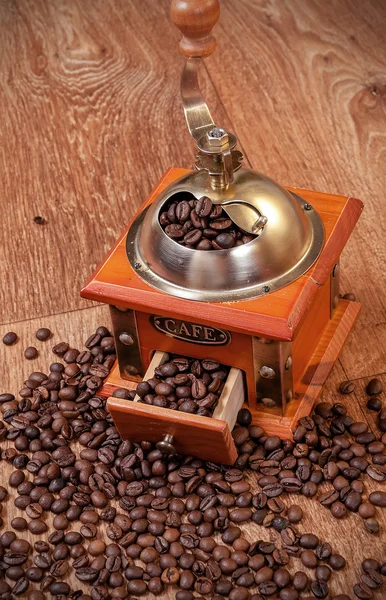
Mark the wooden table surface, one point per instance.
(91, 118)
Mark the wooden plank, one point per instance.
(84, 96)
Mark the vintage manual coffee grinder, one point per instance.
(270, 309)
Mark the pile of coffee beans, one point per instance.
(184, 384)
(202, 225)
(125, 520)
(371, 579)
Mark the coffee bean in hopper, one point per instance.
(200, 225)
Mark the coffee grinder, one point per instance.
(270, 309)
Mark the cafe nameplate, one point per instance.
(191, 332)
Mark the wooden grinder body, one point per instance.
(296, 333)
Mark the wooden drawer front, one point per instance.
(237, 353)
(208, 438)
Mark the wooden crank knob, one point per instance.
(196, 19)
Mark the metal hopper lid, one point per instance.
(286, 247)
(289, 232)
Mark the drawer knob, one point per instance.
(166, 444)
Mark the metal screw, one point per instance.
(265, 288)
(126, 339)
(267, 372)
(137, 265)
(289, 395)
(307, 206)
(288, 363)
(216, 132)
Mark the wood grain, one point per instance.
(90, 99)
(88, 93)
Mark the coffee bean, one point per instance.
(224, 241)
(43, 334)
(374, 387)
(34, 511)
(309, 559)
(197, 225)
(30, 353)
(309, 541)
(328, 498)
(338, 510)
(372, 525)
(336, 562)
(20, 587)
(295, 513)
(378, 499)
(203, 206)
(244, 416)
(19, 523)
(362, 591)
(37, 527)
(10, 338)
(347, 387)
(376, 473)
(319, 589)
(374, 403)
(372, 579)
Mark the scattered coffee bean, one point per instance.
(372, 525)
(374, 403)
(374, 387)
(30, 353)
(10, 338)
(347, 387)
(43, 334)
(378, 499)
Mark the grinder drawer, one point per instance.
(208, 438)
